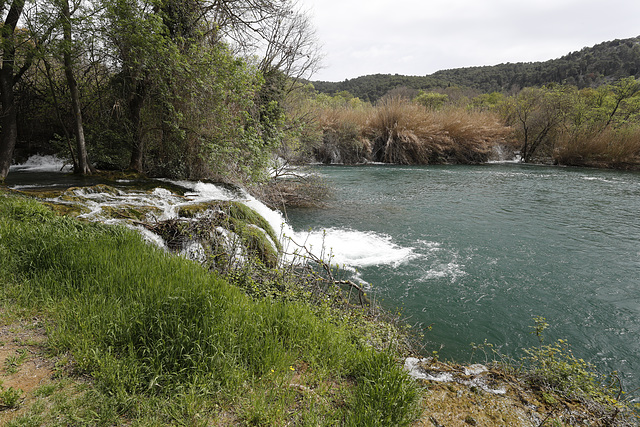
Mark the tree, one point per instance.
(133, 31)
(535, 114)
(290, 44)
(19, 49)
(8, 79)
(82, 166)
(431, 100)
(168, 53)
(623, 90)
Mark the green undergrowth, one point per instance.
(166, 341)
(561, 381)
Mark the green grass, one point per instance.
(161, 335)
(10, 397)
(13, 362)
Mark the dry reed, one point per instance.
(342, 140)
(611, 148)
(406, 133)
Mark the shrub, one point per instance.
(619, 148)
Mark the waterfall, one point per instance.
(124, 203)
(40, 163)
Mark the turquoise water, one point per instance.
(478, 251)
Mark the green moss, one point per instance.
(256, 233)
(99, 188)
(117, 175)
(67, 209)
(195, 209)
(242, 212)
(40, 194)
(257, 243)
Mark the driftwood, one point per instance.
(328, 276)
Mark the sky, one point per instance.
(420, 37)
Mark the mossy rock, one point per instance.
(40, 194)
(67, 209)
(71, 194)
(195, 209)
(257, 243)
(235, 216)
(137, 213)
(114, 175)
(99, 188)
(245, 214)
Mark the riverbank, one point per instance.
(147, 343)
(49, 390)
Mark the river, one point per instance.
(476, 252)
(469, 253)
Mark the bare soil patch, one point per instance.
(23, 363)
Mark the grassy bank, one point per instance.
(163, 341)
(99, 328)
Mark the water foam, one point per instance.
(338, 246)
(354, 248)
(38, 163)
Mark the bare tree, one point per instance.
(291, 46)
(277, 31)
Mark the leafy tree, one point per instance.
(536, 115)
(623, 91)
(19, 49)
(431, 100)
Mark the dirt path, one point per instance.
(24, 366)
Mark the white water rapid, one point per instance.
(346, 248)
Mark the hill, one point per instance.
(590, 66)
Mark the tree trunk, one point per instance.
(135, 106)
(56, 105)
(84, 167)
(8, 121)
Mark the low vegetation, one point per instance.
(166, 341)
(554, 124)
(99, 328)
(399, 131)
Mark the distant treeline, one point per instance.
(589, 67)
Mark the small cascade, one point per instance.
(502, 154)
(194, 218)
(40, 163)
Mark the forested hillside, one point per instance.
(373, 87)
(589, 67)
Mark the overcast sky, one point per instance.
(419, 37)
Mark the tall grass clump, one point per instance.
(408, 133)
(342, 135)
(383, 393)
(617, 148)
(147, 325)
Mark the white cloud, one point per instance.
(420, 37)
